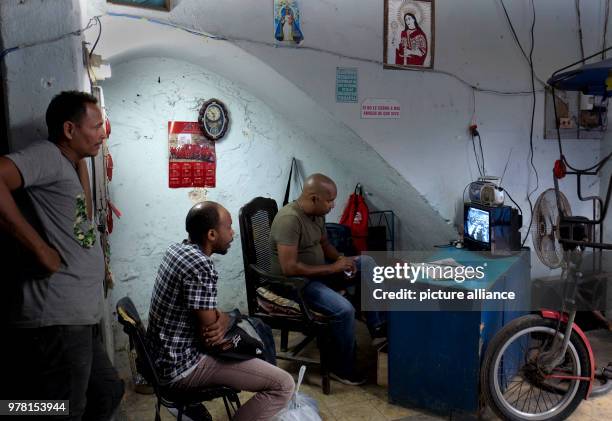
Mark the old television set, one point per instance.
(491, 228)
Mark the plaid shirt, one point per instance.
(186, 281)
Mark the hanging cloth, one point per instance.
(355, 216)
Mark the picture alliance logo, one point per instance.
(424, 271)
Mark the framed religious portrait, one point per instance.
(409, 34)
(164, 5)
(287, 22)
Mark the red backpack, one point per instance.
(355, 216)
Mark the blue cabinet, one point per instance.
(435, 356)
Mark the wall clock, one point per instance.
(213, 119)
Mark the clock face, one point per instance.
(213, 119)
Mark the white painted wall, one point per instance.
(33, 75)
(253, 160)
(429, 146)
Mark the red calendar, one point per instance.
(192, 158)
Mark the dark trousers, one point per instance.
(63, 363)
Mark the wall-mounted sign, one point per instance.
(287, 22)
(409, 34)
(193, 161)
(380, 108)
(346, 84)
(213, 119)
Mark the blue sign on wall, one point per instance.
(346, 84)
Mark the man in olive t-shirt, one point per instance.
(300, 248)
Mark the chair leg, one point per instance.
(179, 416)
(227, 408)
(157, 405)
(323, 358)
(325, 381)
(284, 340)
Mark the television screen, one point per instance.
(477, 225)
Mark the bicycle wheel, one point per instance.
(513, 382)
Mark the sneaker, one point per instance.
(351, 380)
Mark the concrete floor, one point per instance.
(368, 402)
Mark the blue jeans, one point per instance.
(365, 265)
(322, 298)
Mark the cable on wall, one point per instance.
(605, 30)
(78, 32)
(533, 77)
(518, 42)
(237, 40)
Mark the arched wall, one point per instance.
(159, 74)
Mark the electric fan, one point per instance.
(545, 227)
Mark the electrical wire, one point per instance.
(238, 40)
(529, 193)
(480, 171)
(579, 21)
(78, 32)
(518, 42)
(97, 18)
(510, 197)
(605, 30)
(481, 155)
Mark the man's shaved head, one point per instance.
(318, 184)
(318, 195)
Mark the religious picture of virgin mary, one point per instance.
(287, 22)
(409, 34)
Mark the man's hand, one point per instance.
(214, 333)
(344, 264)
(49, 258)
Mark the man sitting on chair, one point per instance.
(300, 248)
(184, 321)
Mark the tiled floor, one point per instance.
(368, 402)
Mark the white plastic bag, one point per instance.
(301, 407)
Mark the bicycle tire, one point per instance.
(511, 333)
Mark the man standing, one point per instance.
(184, 322)
(300, 248)
(55, 300)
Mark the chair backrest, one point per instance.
(255, 219)
(341, 238)
(129, 318)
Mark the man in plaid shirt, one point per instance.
(184, 321)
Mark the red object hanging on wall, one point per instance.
(193, 161)
(559, 169)
(355, 216)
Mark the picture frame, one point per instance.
(163, 5)
(409, 34)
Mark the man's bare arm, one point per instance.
(288, 259)
(329, 250)
(212, 325)
(13, 222)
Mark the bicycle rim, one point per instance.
(526, 394)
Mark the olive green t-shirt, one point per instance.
(292, 226)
